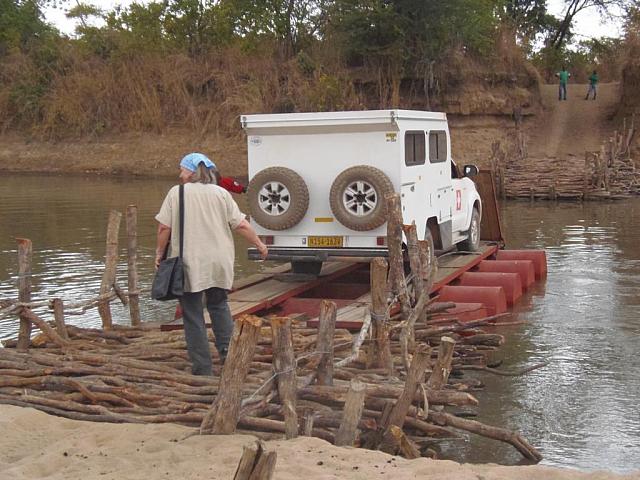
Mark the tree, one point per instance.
(21, 21)
(574, 7)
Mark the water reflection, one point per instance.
(580, 411)
(66, 220)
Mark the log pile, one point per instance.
(386, 387)
(609, 173)
(140, 375)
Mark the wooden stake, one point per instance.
(324, 345)
(442, 368)
(380, 317)
(415, 376)
(306, 422)
(396, 260)
(110, 264)
(25, 250)
(348, 431)
(417, 269)
(132, 265)
(284, 363)
(407, 334)
(58, 315)
(222, 417)
(256, 463)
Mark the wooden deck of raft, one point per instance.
(264, 290)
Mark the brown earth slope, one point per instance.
(574, 126)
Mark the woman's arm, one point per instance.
(163, 237)
(245, 230)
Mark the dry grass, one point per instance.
(87, 96)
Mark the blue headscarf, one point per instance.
(192, 160)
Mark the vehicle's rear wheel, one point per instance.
(357, 197)
(472, 243)
(278, 198)
(308, 268)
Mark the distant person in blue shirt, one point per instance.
(593, 82)
(563, 75)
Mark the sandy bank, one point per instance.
(36, 445)
(154, 155)
(148, 155)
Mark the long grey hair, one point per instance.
(206, 175)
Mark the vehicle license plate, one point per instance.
(324, 242)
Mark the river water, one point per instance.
(580, 411)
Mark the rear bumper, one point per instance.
(316, 254)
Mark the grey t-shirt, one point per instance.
(210, 216)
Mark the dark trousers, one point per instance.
(562, 92)
(195, 332)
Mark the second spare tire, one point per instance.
(357, 197)
(278, 198)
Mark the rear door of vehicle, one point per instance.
(439, 174)
(415, 199)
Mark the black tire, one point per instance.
(472, 243)
(309, 268)
(278, 198)
(368, 209)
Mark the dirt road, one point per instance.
(571, 127)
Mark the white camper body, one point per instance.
(412, 149)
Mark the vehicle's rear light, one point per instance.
(381, 241)
(266, 239)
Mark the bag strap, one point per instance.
(181, 206)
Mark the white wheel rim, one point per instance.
(360, 198)
(274, 199)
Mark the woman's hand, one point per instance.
(262, 250)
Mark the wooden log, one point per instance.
(25, 251)
(58, 315)
(337, 395)
(284, 364)
(44, 327)
(348, 431)
(397, 283)
(513, 438)
(419, 364)
(324, 345)
(132, 264)
(222, 418)
(269, 425)
(379, 314)
(442, 368)
(110, 264)
(256, 463)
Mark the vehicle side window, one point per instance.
(437, 146)
(414, 148)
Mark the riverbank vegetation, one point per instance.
(199, 64)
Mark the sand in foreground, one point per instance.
(37, 445)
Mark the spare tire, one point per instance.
(357, 197)
(278, 198)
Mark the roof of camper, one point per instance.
(358, 117)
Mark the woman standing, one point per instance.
(210, 218)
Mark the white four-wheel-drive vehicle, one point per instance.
(318, 183)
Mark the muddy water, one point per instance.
(581, 410)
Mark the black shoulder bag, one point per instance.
(168, 283)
